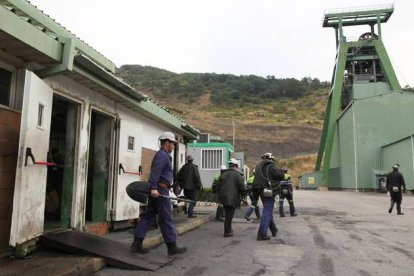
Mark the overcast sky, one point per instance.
(283, 38)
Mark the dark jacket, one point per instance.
(267, 174)
(230, 187)
(395, 179)
(188, 177)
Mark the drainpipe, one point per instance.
(67, 59)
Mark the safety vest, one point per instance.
(287, 176)
(250, 180)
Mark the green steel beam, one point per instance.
(323, 137)
(334, 108)
(67, 59)
(30, 35)
(50, 24)
(387, 66)
(358, 16)
(362, 58)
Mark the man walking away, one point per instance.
(161, 177)
(286, 191)
(188, 178)
(230, 188)
(266, 180)
(394, 182)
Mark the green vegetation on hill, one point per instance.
(224, 88)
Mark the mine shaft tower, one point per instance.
(358, 61)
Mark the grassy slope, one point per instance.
(290, 129)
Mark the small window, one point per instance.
(40, 115)
(181, 158)
(212, 159)
(131, 143)
(5, 85)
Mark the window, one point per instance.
(5, 85)
(131, 143)
(40, 115)
(211, 159)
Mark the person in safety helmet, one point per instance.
(230, 187)
(160, 179)
(395, 181)
(188, 178)
(286, 191)
(266, 182)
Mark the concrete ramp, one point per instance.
(114, 253)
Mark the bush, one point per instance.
(206, 195)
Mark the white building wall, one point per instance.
(89, 100)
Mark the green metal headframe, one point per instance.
(348, 52)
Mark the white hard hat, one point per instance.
(167, 136)
(268, 155)
(223, 167)
(233, 161)
(396, 166)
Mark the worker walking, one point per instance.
(395, 181)
(230, 187)
(220, 210)
(188, 178)
(160, 179)
(286, 191)
(254, 199)
(267, 177)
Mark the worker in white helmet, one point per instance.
(161, 178)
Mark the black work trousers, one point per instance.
(229, 214)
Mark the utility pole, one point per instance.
(234, 135)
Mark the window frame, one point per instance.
(210, 165)
(133, 143)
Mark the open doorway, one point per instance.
(60, 177)
(100, 166)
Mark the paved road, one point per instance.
(336, 233)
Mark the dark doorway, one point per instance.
(99, 166)
(60, 178)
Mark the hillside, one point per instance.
(282, 116)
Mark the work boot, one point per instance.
(247, 218)
(228, 234)
(136, 246)
(173, 249)
(261, 237)
(191, 216)
(273, 229)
